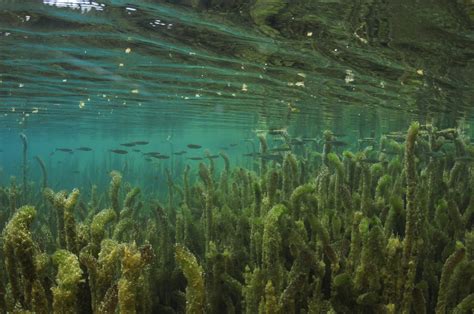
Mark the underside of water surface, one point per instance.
(236, 156)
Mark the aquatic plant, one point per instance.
(24, 142)
(67, 282)
(195, 291)
(311, 232)
(43, 171)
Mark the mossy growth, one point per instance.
(358, 232)
(133, 264)
(19, 252)
(98, 225)
(195, 291)
(68, 278)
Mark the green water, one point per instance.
(209, 156)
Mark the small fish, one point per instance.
(141, 143)
(435, 155)
(252, 155)
(76, 171)
(337, 143)
(277, 131)
(223, 148)
(464, 159)
(367, 140)
(396, 133)
(336, 134)
(118, 151)
(180, 153)
(372, 161)
(389, 152)
(233, 145)
(280, 149)
(297, 141)
(51, 154)
(148, 159)
(128, 144)
(399, 138)
(277, 158)
(212, 156)
(84, 149)
(309, 139)
(194, 158)
(151, 154)
(65, 150)
(194, 146)
(161, 156)
(136, 150)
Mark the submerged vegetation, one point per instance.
(386, 229)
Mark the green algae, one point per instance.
(68, 278)
(195, 292)
(344, 237)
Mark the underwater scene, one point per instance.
(236, 156)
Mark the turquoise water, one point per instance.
(203, 63)
(211, 72)
(309, 101)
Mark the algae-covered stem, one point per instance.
(172, 161)
(24, 141)
(410, 169)
(412, 218)
(43, 170)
